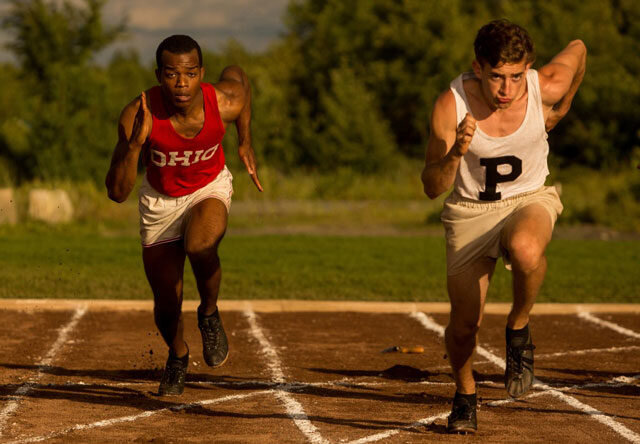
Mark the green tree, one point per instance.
(404, 52)
(407, 51)
(68, 124)
(15, 101)
(352, 132)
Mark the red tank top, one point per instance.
(176, 165)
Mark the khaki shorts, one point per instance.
(473, 228)
(163, 218)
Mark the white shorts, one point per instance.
(163, 218)
(473, 228)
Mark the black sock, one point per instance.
(184, 359)
(204, 316)
(518, 337)
(470, 399)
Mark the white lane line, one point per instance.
(294, 408)
(618, 381)
(596, 414)
(569, 353)
(587, 351)
(573, 402)
(620, 329)
(388, 433)
(131, 418)
(430, 324)
(24, 389)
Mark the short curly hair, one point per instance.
(501, 41)
(178, 44)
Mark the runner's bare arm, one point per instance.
(446, 146)
(234, 102)
(560, 79)
(133, 129)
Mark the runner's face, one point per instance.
(180, 78)
(502, 84)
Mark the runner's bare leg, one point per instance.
(467, 294)
(206, 227)
(526, 236)
(164, 267)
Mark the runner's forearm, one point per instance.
(122, 174)
(243, 122)
(437, 177)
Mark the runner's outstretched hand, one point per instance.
(248, 158)
(142, 123)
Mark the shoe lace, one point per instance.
(173, 372)
(515, 358)
(210, 333)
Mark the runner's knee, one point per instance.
(166, 313)
(525, 251)
(203, 247)
(462, 332)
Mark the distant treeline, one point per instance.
(350, 84)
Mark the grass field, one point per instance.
(66, 263)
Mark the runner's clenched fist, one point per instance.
(464, 134)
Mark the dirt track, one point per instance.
(309, 376)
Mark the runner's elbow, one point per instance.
(115, 193)
(429, 187)
(431, 194)
(431, 190)
(116, 197)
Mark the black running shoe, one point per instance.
(518, 375)
(215, 348)
(462, 419)
(175, 372)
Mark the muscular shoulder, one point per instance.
(554, 80)
(443, 126)
(443, 117)
(555, 77)
(230, 97)
(232, 91)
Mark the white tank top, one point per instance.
(496, 168)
